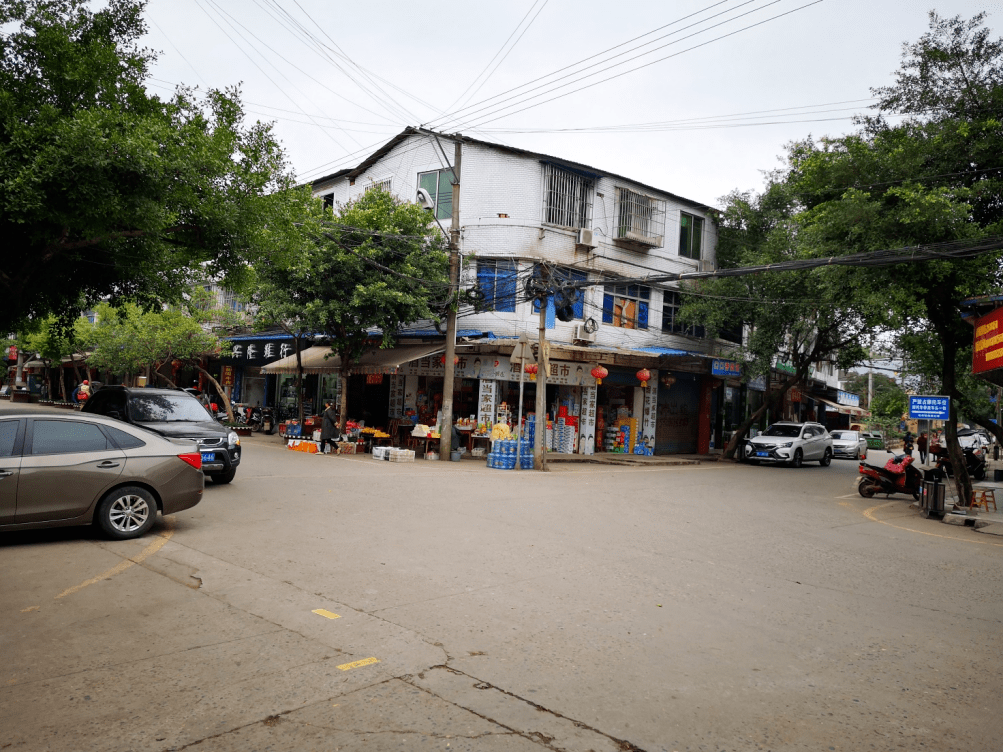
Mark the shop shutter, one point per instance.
(678, 416)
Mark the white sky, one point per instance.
(830, 52)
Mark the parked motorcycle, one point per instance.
(268, 420)
(897, 476)
(975, 461)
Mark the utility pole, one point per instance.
(543, 368)
(449, 372)
(870, 390)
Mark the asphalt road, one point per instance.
(711, 607)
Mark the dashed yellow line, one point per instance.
(122, 565)
(325, 613)
(357, 664)
(869, 514)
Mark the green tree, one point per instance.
(379, 263)
(800, 318)
(106, 191)
(934, 177)
(890, 403)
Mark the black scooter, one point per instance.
(975, 462)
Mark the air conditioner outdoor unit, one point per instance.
(583, 336)
(586, 237)
(706, 265)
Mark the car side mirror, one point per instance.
(113, 413)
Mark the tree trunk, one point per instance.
(226, 400)
(169, 382)
(343, 398)
(299, 379)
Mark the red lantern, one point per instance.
(532, 369)
(456, 360)
(644, 376)
(599, 373)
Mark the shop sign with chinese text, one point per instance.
(846, 398)
(988, 354)
(725, 368)
(258, 352)
(929, 407)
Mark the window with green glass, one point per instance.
(690, 235)
(439, 185)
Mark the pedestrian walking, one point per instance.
(329, 428)
(921, 445)
(907, 443)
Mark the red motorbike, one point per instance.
(897, 476)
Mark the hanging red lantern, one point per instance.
(532, 369)
(644, 376)
(599, 373)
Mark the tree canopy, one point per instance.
(935, 176)
(358, 276)
(109, 192)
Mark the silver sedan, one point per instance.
(850, 444)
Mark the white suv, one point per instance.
(791, 443)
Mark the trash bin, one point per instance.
(932, 497)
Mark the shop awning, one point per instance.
(845, 409)
(321, 359)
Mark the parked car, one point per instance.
(79, 469)
(850, 444)
(970, 438)
(175, 414)
(791, 443)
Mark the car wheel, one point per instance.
(225, 477)
(798, 457)
(856, 455)
(126, 513)
(866, 489)
(826, 458)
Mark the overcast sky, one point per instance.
(725, 109)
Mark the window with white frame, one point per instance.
(640, 219)
(496, 279)
(626, 306)
(386, 185)
(439, 184)
(567, 197)
(690, 235)
(671, 321)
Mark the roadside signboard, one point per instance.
(929, 407)
(988, 354)
(721, 367)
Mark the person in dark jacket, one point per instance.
(921, 445)
(907, 443)
(329, 428)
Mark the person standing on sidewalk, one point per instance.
(921, 445)
(907, 443)
(329, 428)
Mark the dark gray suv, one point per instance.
(176, 415)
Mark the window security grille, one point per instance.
(640, 218)
(383, 185)
(567, 198)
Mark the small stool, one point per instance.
(983, 497)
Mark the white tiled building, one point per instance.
(519, 209)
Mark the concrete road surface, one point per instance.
(325, 603)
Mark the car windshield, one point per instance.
(844, 435)
(167, 408)
(785, 431)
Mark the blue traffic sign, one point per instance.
(929, 407)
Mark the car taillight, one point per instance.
(192, 458)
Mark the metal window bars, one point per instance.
(567, 198)
(384, 185)
(640, 218)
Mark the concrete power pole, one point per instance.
(543, 368)
(449, 372)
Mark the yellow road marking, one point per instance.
(869, 514)
(357, 664)
(122, 565)
(325, 613)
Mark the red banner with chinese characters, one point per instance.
(374, 378)
(226, 378)
(988, 354)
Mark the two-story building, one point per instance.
(521, 212)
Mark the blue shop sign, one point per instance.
(929, 407)
(725, 368)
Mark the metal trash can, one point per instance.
(932, 498)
